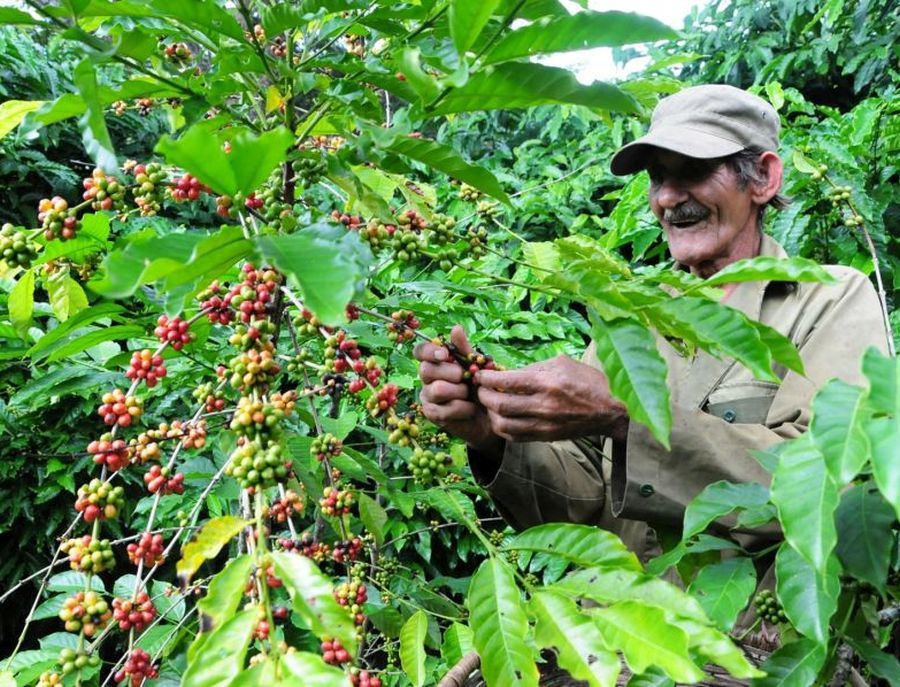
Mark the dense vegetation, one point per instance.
(256, 496)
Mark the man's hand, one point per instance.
(447, 400)
(551, 400)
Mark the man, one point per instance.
(551, 444)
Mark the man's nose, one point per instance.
(670, 194)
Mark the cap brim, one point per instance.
(686, 141)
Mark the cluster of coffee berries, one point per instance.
(768, 608)
(259, 419)
(191, 433)
(326, 446)
(87, 554)
(178, 53)
(446, 258)
(336, 501)
(404, 429)
(363, 678)
(469, 193)
(104, 192)
(98, 500)
(85, 612)
(137, 668)
(402, 327)
(384, 400)
(819, 172)
(427, 465)
(309, 168)
(144, 106)
(247, 336)
(475, 362)
(187, 187)
(355, 45)
(254, 368)
(408, 245)
(225, 207)
(159, 480)
(376, 233)
(839, 194)
(254, 465)
(334, 653)
(146, 366)
(16, 249)
(443, 229)
(149, 187)
(213, 400)
(218, 309)
(352, 595)
(71, 660)
(487, 210)
(477, 238)
(56, 219)
(50, 678)
(113, 453)
(135, 614)
(149, 549)
(853, 220)
(173, 332)
(118, 409)
(305, 546)
(307, 323)
(346, 551)
(253, 296)
(285, 506)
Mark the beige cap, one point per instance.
(703, 122)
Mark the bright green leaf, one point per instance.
(793, 665)
(310, 670)
(636, 373)
(767, 268)
(723, 589)
(583, 545)
(373, 517)
(883, 373)
(809, 597)
(412, 647)
(884, 436)
(579, 645)
(458, 641)
(838, 411)
(694, 545)
(12, 112)
(205, 15)
(92, 338)
(803, 164)
(66, 295)
(207, 543)
(94, 134)
(226, 590)
(719, 499)
(719, 648)
(806, 498)
(580, 31)
(468, 19)
(10, 15)
(500, 626)
(222, 656)
(21, 302)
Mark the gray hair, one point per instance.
(745, 165)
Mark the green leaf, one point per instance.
(10, 15)
(580, 31)
(72, 581)
(423, 84)
(652, 678)
(883, 373)
(94, 134)
(881, 664)
(717, 647)
(82, 318)
(412, 647)
(838, 412)
(373, 517)
(636, 373)
(12, 112)
(806, 498)
(793, 665)
(865, 539)
(809, 597)
(222, 656)
(512, 85)
(697, 544)
(444, 159)
(719, 499)
(767, 268)
(723, 589)
(200, 151)
(207, 543)
(583, 545)
(205, 15)
(312, 595)
(467, 19)
(226, 590)
(781, 348)
(579, 645)
(607, 586)
(310, 670)
(500, 626)
(325, 260)
(21, 303)
(50, 608)
(86, 341)
(457, 643)
(884, 436)
(803, 164)
(645, 638)
(722, 330)
(66, 295)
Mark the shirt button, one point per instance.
(729, 415)
(647, 490)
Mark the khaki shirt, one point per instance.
(720, 412)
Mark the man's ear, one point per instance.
(771, 169)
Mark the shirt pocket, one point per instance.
(745, 402)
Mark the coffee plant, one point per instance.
(225, 326)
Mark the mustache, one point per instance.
(686, 212)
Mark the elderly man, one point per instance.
(550, 443)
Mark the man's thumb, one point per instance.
(458, 339)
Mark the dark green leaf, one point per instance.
(226, 590)
(10, 15)
(793, 665)
(82, 318)
(809, 597)
(513, 85)
(865, 539)
(838, 412)
(584, 545)
(719, 499)
(205, 15)
(373, 517)
(326, 262)
(698, 544)
(636, 373)
(724, 589)
(92, 338)
(767, 268)
(222, 656)
(580, 31)
(882, 664)
(467, 19)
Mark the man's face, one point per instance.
(709, 221)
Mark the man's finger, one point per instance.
(443, 392)
(506, 405)
(427, 351)
(523, 381)
(454, 411)
(431, 372)
(519, 429)
(459, 339)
